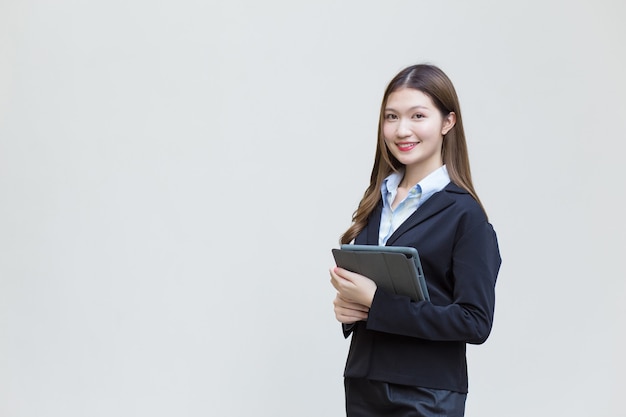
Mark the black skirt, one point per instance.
(367, 398)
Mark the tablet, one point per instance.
(396, 269)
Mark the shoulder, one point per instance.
(469, 215)
(464, 201)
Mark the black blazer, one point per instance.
(423, 343)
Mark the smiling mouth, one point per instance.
(406, 146)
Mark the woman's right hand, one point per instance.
(347, 312)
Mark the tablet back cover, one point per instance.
(393, 271)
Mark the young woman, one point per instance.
(408, 358)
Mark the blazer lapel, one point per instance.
(432, 206)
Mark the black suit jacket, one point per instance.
(423, 343)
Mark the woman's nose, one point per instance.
(403, 129)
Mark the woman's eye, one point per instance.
(418, 116)
(391, 116)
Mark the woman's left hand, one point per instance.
(353, 287)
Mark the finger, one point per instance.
(358, 307)
(340, 283)
(340, 302)
(355, 307)
(347, 275)
(335, 283)
(334, 275)
(333, 279)
(350, 303)
(349, 315)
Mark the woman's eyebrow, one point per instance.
(419, 106)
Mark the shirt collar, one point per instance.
(433, 182)
(389, 187)
(391, 183)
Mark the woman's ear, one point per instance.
(448, 122)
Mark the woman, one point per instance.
(408, 358)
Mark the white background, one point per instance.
(173, 175)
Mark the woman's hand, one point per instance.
(347, 312)
(354, 295)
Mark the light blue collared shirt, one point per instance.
(390, 218)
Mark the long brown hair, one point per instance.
(433, 82)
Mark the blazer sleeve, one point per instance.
(469, 317)
(347, 329)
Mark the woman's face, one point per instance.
(413, 129)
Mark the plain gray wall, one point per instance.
(174, 174)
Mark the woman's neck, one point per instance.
(413, 175)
